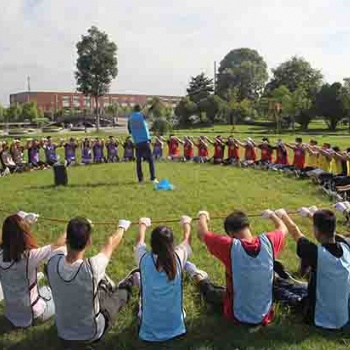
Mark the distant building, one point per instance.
(53, 101)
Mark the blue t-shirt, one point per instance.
(138, 128)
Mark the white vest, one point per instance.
(16, 288)
(332, 288)
(77, 307)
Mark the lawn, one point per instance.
(109, 192)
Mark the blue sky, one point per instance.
(162, 43)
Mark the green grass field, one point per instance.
(109, 192)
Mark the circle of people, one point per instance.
(308, 158)
(85, 302)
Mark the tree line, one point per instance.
(295, 94)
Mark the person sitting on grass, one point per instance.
(328, 298)
(98, 151)
(86, 154)
(249, 151)
(219, 149)
(112, 150)
(70, 148)
(233, 151)
(249, 264)
(33, 147)
(20, 257)
(6, 159)
(188, 148)
(174, 147)
(17, 153)
(87, 301)
(158, 145)
(161, 314)
(203, 150)
(129, 150)
(299, 150)
(266, 153)
(281, 161)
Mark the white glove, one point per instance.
(30, 218)
(280, 212)
(347, 204)
(185, 220)
(341, 206)
(305, 212)
(145, 221)
(124, 224)
(266, 214)
(204, 213)
(313, 209)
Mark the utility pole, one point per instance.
(28, 81)
(215, 74)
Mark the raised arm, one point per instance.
(113, 241)
(243, 144)
(202, 224)
(275, 217)
(144, 223)
(186, 229)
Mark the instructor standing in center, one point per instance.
(139, 131)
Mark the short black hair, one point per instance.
(137, 108)
(313, 141)
(78, 233)
(236, 222)
(336, 149)
(265, 139)
(325, 222)
(299, 139)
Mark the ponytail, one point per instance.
(162, 243)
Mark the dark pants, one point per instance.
(143, 151)
(212, 294)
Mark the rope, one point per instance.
(162, 221)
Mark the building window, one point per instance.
(66, 101)
(87, 102)
(106, 102)
(76, 101)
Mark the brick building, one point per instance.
(53, 101)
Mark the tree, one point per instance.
(300, 108)
(2, 113)
(14, 113)
(200, 88)
(329, 104)
(185, 109)
(157, 108)
(293, 74)
(30, 111)
(96, 66)
(112, 110)
(280, 105)
(213, 106)
(244, 70)
(345, 98)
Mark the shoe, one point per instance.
(132, 279)
(155, 182)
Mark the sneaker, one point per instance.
(132, 279)
(155, 182)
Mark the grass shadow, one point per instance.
(86, 185)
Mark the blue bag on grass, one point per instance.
(164, 185)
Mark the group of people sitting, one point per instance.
(13, 158)
(84, 301)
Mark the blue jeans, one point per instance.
(143, 151)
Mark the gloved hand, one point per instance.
(203, 213)
(185, 220)
(341, 207)
(313, 209)
(266, 214)
(145, 221)
(30, 218)
(280, 212)
(305, 212)
(124, 224)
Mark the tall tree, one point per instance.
(30, 111)
(243, 70)
(184, 110)
(2, 113)
(14, 113)
(329, 104)
(157, 108)
(96, 66)
(280, 105)
(301, 107)
(296, 73)
(200, 88)
(213, 106)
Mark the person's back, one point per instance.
(161, 314)
(74, 291)
(138, 127)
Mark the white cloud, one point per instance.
(162, 43)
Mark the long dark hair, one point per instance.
(16, 238)
(162, 244)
